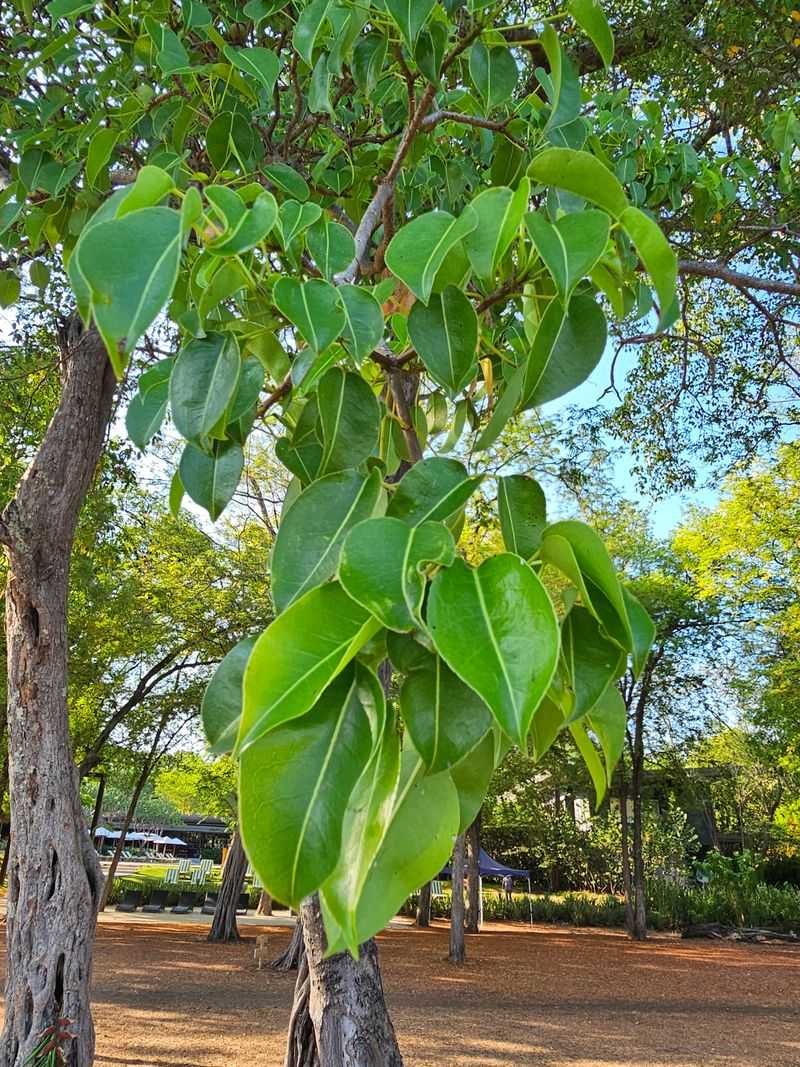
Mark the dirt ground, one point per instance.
(550, 996)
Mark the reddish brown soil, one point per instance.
(549, 996)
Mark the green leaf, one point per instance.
(642, 629)
(591, 758)
(496, 628)
(221, 709)
(145, 414)
(571, 246)
(499, 212)
(172, 57)
(298, 655)
(203, 384)
(39, 274)
(366, 821)
(523, 514)
(313, 307)
(503, 409)
(229, 135)
(580, 173)
(9, 288)
(418, 250)
(77, 280)
(445, 718)
(434, 489)
(211, 480)
(176, 494)
(349, 420)
(288, 180)
(548, 721)
(363, 327)
(304, 772)
(494, 73)
(566, 100)
(331, 246)
(607, 722)
(445, 335)
(151, 186)
(592, 661)
(471, 777)
(319, 91)
(131, 265)
(565, 351)
(99, 152)
(295, 218)
(383, 564)
(410, 16)
(260, 63)
(312, 530)
(369, 55)
(592, 20)
(59, 9)
(307, 28)
(656, 254)
(249, 229)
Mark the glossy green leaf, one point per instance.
(580, 173)
(288, 180)
(591, 18)
(59, 9)
(642, 629)
(312, 530)
(211, 479)
(250, 228)
(496, 628)
(349, 420)
(566, 100)
(203, 384)
(547, 723)
(434, 489)
(298, 655)
(445, 718)
(445, 335)
(221, 709)
(152, 185)
(471, 777)
(313, 307)
(503, 409)
(571, 246)
(363, 327)
(523, 514)
(229, 139)
(260, 63)
(418, 250)
(295, 218)
(77, 280)
(607, 721)
(99, 153)
(383, 564)
(565, 351)
(331, 246)
(305, 769)
(410, 16)
(494, 73)
(591, 757)
(39, 274)
(593, 662)
(369, 55)
(307, 28)
(145, 414)
(656, 254)
(131, 265)
(499, 212)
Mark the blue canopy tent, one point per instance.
(490, 868)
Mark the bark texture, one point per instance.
(639, 931)
(289, 960)
(346, 1004)
(264, 904)
(627, 882)
(423, 917)
(54, 874)
(224, 926)
(457, 946)
(473, 866)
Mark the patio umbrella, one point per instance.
(103, 831)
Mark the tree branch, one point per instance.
(714, 269)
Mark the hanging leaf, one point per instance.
(221, 709)
(260, 63)
(248, 229)
(496, 628)
(445, 335)
(349, 420)
(295, 218)
(472, 775)
(313, 307)
(522, 508)
(592, 661)
(229, 137)
(410, 16)
(383, 564)
(211, 480)
(418, 250)
(307, 28)
(571, 246)
(305, 769)
(566, 97)
(580, 173)
(288, 180)
(642, 629)
(656, 254)
(592, 20)
(331, 246)
(591, 758)
(363, 328)
(433, 490)
(152, 185)
(607, 721)
(548, 721)
(312, 530)
(298, 655)
(499, 212)
(146, 413)
(203, 383)
(99, 153)
(565, 351)
(494, 73)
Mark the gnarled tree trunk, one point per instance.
(289, 959)
(473, 863)
(457, 947)
(223, 925)
(54, 874)
(423, 917)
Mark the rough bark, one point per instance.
(301, 1050)
(224, 926)
(54, 874)
(264, 904)
(345, 1002)
(289, 960)
(473, 862)
(98, 803)
(457, 946)
(639, 931)
(625, 848)
(423, 916)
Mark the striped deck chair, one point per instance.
(205, 869)
(436, 889)
(171, 877)
(184, 867)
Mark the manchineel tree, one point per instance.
(381, 228)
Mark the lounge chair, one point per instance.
(242, 904)
(209, 904)
(131, 900)
(171, 877)
(186, 904)
(184, 866)
(158, 898)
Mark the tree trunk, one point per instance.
(223, 925)
(289, 960)
(54, 875)
(423, 918)
(639, 904)
(457, 947)
(345, 1003)
(473, 860)
(98, 804)
(264, 904)
(126, 824)
(625, 849)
